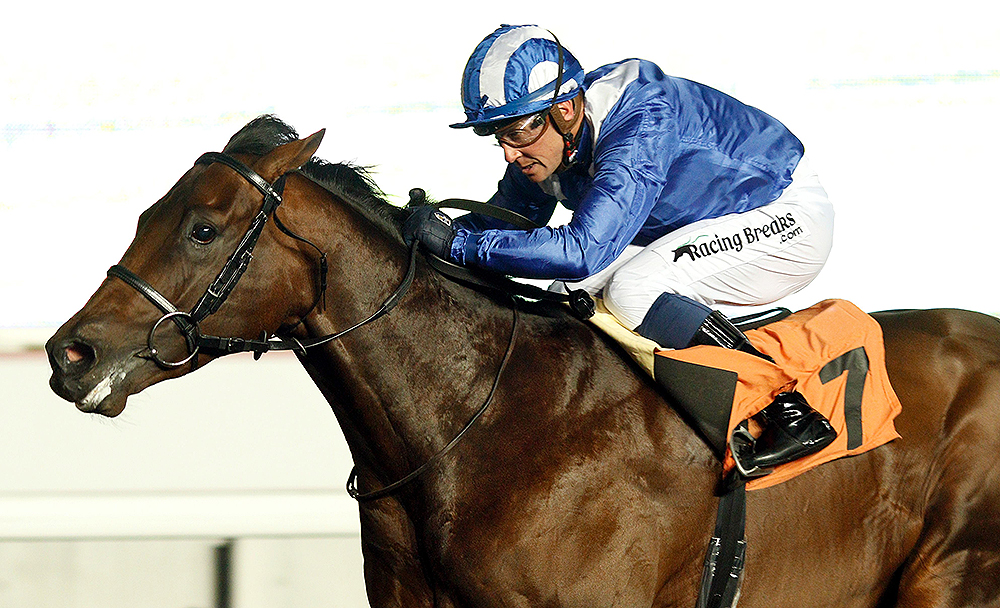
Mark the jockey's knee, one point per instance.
(629, 298)
(624, 303)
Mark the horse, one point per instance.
(579, 484)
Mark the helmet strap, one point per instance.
(568, 130)
(562, 127)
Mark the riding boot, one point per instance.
(793, 428)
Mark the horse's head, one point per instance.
(109, 349)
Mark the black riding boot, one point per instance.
(793, 429)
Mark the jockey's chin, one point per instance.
(535, 171)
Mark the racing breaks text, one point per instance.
(782, 227)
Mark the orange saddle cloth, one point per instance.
(832, 353)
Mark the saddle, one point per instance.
(832, 353)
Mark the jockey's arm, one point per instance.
(626, 184)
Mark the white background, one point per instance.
(103, 105)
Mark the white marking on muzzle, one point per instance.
(101, 390)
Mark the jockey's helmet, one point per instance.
(514, 72)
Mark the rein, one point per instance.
(352, 480)
(580, 303)
(217, 293)
(727, 549)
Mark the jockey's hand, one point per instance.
(432, 228)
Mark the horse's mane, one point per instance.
(351, 183)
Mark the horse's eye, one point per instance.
(204, 233)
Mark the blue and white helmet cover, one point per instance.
(513, 73)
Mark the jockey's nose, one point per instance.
(510, 154)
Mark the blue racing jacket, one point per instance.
(657, 153)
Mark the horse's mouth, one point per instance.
(101, 397)
(103, 390)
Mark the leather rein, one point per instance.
(729, 542)
(218, 291)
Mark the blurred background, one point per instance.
(225, 488)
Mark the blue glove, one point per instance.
(432, 228)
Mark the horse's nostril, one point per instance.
(74, 353)
(78, 354)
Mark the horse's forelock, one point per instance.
(352, 183)
(260, 136)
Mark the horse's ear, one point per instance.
(289, 157)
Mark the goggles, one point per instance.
(519, 132)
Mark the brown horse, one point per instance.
(579, 485)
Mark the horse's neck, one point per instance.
(403, 385)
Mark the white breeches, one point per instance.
(742, 259)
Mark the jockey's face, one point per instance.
(540, 160)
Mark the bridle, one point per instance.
(229, 276)
(215, 295)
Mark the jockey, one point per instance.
(683, 199)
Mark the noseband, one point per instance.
(189, 322)
(229, 276)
